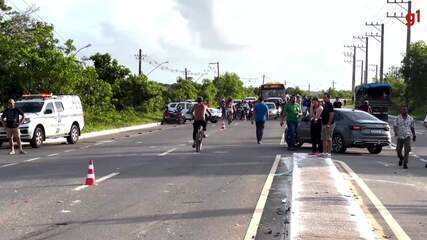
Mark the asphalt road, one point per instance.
(159, 188)
(164, 189)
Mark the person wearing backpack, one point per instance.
(11, 121)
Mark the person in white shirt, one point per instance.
(404, 128)
(425, 122)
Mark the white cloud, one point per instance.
(297, 41)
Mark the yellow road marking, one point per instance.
(379, 231)
(389, 219)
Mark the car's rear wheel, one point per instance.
(375, 149)
(38, 138)
(73, 137)
(338, 144)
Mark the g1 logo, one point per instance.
(411, 17)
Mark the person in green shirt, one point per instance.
(292, 113)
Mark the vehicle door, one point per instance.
(64, 124)
(304, 129)
(50, 117)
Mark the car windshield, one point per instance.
(360, 116)
(30, 107)
(271, 105)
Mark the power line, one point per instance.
(41, 19)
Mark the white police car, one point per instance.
(48, 116)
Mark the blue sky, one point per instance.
(299, 42)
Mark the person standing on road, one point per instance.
(366, 107)
(337, 103)
(260, 115)
(425, 122)
(292, 113)
(404, 126)
(328, 124)
(200, 111)
(10, 121)
(316, 126)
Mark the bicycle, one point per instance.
(199, 138)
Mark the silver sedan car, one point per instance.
(353, 128)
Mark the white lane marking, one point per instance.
(389, 219)
(32, 159)
(8, 165)
(65, 211)
(69, 150)
(282, 141)
(391, 182)
(108, 141)
(384, 164)
(53, 154)
(167, 152)
(97, 181)
(139, 142)
(85, 147)
(97, 144)
(259, 209)
(422, 160)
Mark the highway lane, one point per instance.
(158, 194)
(403, 192)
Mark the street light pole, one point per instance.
(156, 67)
(87, 46)
(217, 68)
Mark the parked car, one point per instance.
(273, 112)
(185, 108)
(173, 116)
(172, 106)
(48, 116)
(278, 101)
(353, 128)
(216, 114)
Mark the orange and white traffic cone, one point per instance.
(90, 179)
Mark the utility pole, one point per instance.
(382, 45)
(186, 74)
(309, 89)
(333, 84)
(361, 73)
(408, 33)
(263, 79)
(353, 76)
(139, 57)
(366, 55)
(217, 68)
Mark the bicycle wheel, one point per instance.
(199, 137)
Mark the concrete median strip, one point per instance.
(322, 204)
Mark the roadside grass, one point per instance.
(102, 120)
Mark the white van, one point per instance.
(186, 108)
(48, 116)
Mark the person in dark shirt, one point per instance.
(328, 124)
(366, 107)
(10, 121)
(337, 103)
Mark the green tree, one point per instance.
(230, 85)
(208, 90)
(415, 69)
(183, 90)
(109, 69)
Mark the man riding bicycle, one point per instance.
(200, 110)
